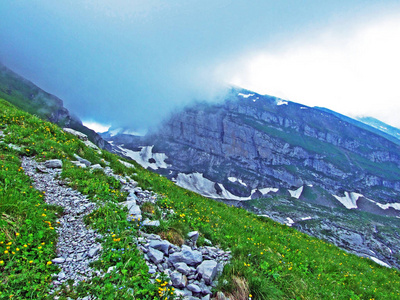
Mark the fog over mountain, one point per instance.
(130, 63)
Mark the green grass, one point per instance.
(276, 261)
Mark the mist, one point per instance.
(131, 63)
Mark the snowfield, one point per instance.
(146, 158)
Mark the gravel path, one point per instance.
(76, 246)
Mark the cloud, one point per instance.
(355, 73)
(131, 62)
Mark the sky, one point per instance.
(131, 63)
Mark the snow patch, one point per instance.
(146, 158)
(303, 107)
(245, 95)
(379, 262)
(126, 164)
(396, 206)
(265, 191)
(296, 193)
(234, 179)
(289, 222)
(197, 183)
(349, 200)
(282, 102)
(306, 218)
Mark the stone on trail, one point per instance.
(58, 260)
(53, 163)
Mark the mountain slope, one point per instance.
(270, 143)
(28, 97)
(301, 166)
(269, 260)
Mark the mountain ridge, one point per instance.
(29, 97)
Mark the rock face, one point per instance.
(262, 144)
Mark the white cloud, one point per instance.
(96, 126)
(355, 73)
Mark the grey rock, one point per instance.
(53, 163)
(78, 164)
(155, 255)
(111, 269)
(96, 167)
(182, 268)
(194, 288)
(134, 211)
(184, 293)
(147, 222)
(178, 280)
(193, 236)
(93, 251)
(58, 260)
(208, 270)
(14, 147)
(187, 255)
(160, 245)
(206, 297)
(82, 160)
(79, 135)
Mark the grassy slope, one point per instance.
(276, 261)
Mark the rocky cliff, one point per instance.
(268, 142)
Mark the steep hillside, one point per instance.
(28, 97)
(269, 260)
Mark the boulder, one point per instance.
(93, 251)
(182, 268)
(96, 167)
(58, 260)
(187, 255)
(82, 160)
(178, 280)
(208, 270)
(155, 256)
(194, 288)
(134, 211)
(155, 223)
(193, 236)
(160, 245)
(53, 163)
